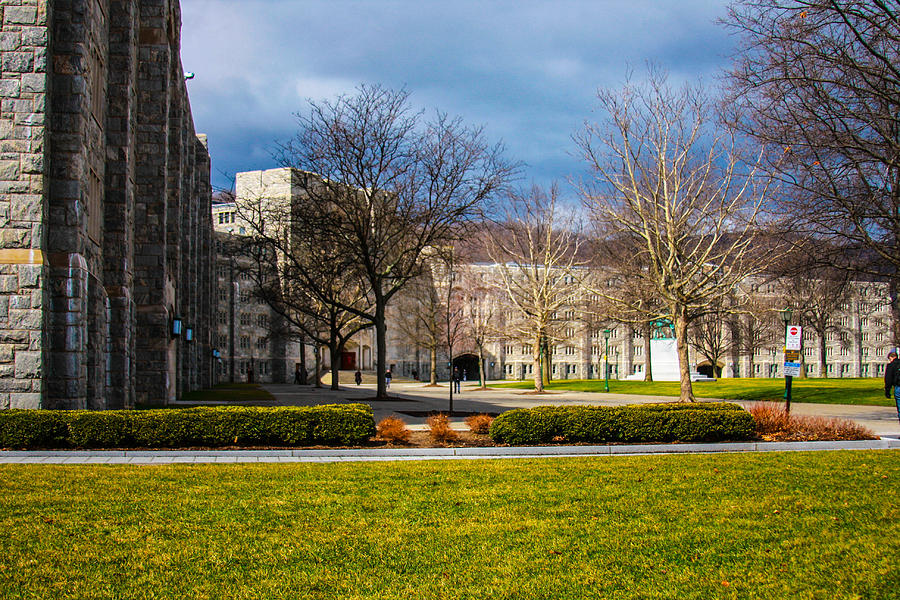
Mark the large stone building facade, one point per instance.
(105, 207)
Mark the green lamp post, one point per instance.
(606, 333)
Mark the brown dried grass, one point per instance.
(439, 428)
(393, 430)
(773, 424)
(479, 423)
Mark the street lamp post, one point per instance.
(606, 333)
(788, 379)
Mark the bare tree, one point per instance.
(670, 180)
(751, 328)
(536, 250)
(817, 81)
(306, 283)
(420, 316)
(387, 185)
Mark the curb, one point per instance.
(394, 454)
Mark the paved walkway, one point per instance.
(415, 397)
(329, 455)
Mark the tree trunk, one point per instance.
(751, 364)
(538, 368)
(684, 367)
(303, 377)
(481, 373)
(433, 378)
(823, 368)
(548, 361)
(334, 350)
(318, 352)
(648, 369)
(381, 347)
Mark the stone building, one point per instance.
(105, 206)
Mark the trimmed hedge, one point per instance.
(670, 422)
(332, 424)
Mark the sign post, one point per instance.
(793, 340)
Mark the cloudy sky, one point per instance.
(526, 70)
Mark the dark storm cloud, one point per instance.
(528, 71)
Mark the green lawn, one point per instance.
(794, 525)
(230, 392)
(869, 391)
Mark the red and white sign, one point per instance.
(793, 337)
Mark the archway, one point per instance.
(707, 369)
(467, 365)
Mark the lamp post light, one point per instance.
(786, 314)
(606, 333)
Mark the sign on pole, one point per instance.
(793, 337)
(792, 369)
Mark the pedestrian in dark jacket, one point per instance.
(890, 379)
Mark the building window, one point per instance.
(245, 342)
(245, 319)
(245, 296)
(223, 296)
(261, 343)
(262, 321)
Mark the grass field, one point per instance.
(868, 391)
(230, 392)
(794, 526)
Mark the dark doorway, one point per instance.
(468, 367)
(709, 370)
(348, 361)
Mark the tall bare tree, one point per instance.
(669, 179)
(421, 315)
(818, 81)
(387, 185)
(536, 248)
(306, 283)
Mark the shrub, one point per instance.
(332, 424)
(393, 429)
(479, 423)
(774, 424)
(698, 422)
(439, 428)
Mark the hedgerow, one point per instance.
(681, 422)
(332, 424)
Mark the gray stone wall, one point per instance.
(105, 207)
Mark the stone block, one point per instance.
(9, 284)
(20, 15)
(17, 62)
(29, 276)
(25, 319)
(15, 238)
(28, 364)
(4, 401)
(18, 301)
(6, 353)
(9, 170)
(10, 40)
(34, 83)
(10, 384)
(7, 371)
(34, 36)
(9, 88)
(8, 336)
(29, 400)
(26, 207)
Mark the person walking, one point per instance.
(358, 377)
(297, 374)
(387, 379)
(456, 386)
(890, 379)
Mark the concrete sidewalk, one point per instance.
(152, 457)
(416, 397)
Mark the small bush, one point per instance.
(346, 424)
(439, 428)
(774, 424)
(479, 423)
(696, 422)
(393, 429)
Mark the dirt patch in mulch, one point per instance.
(422, 439)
